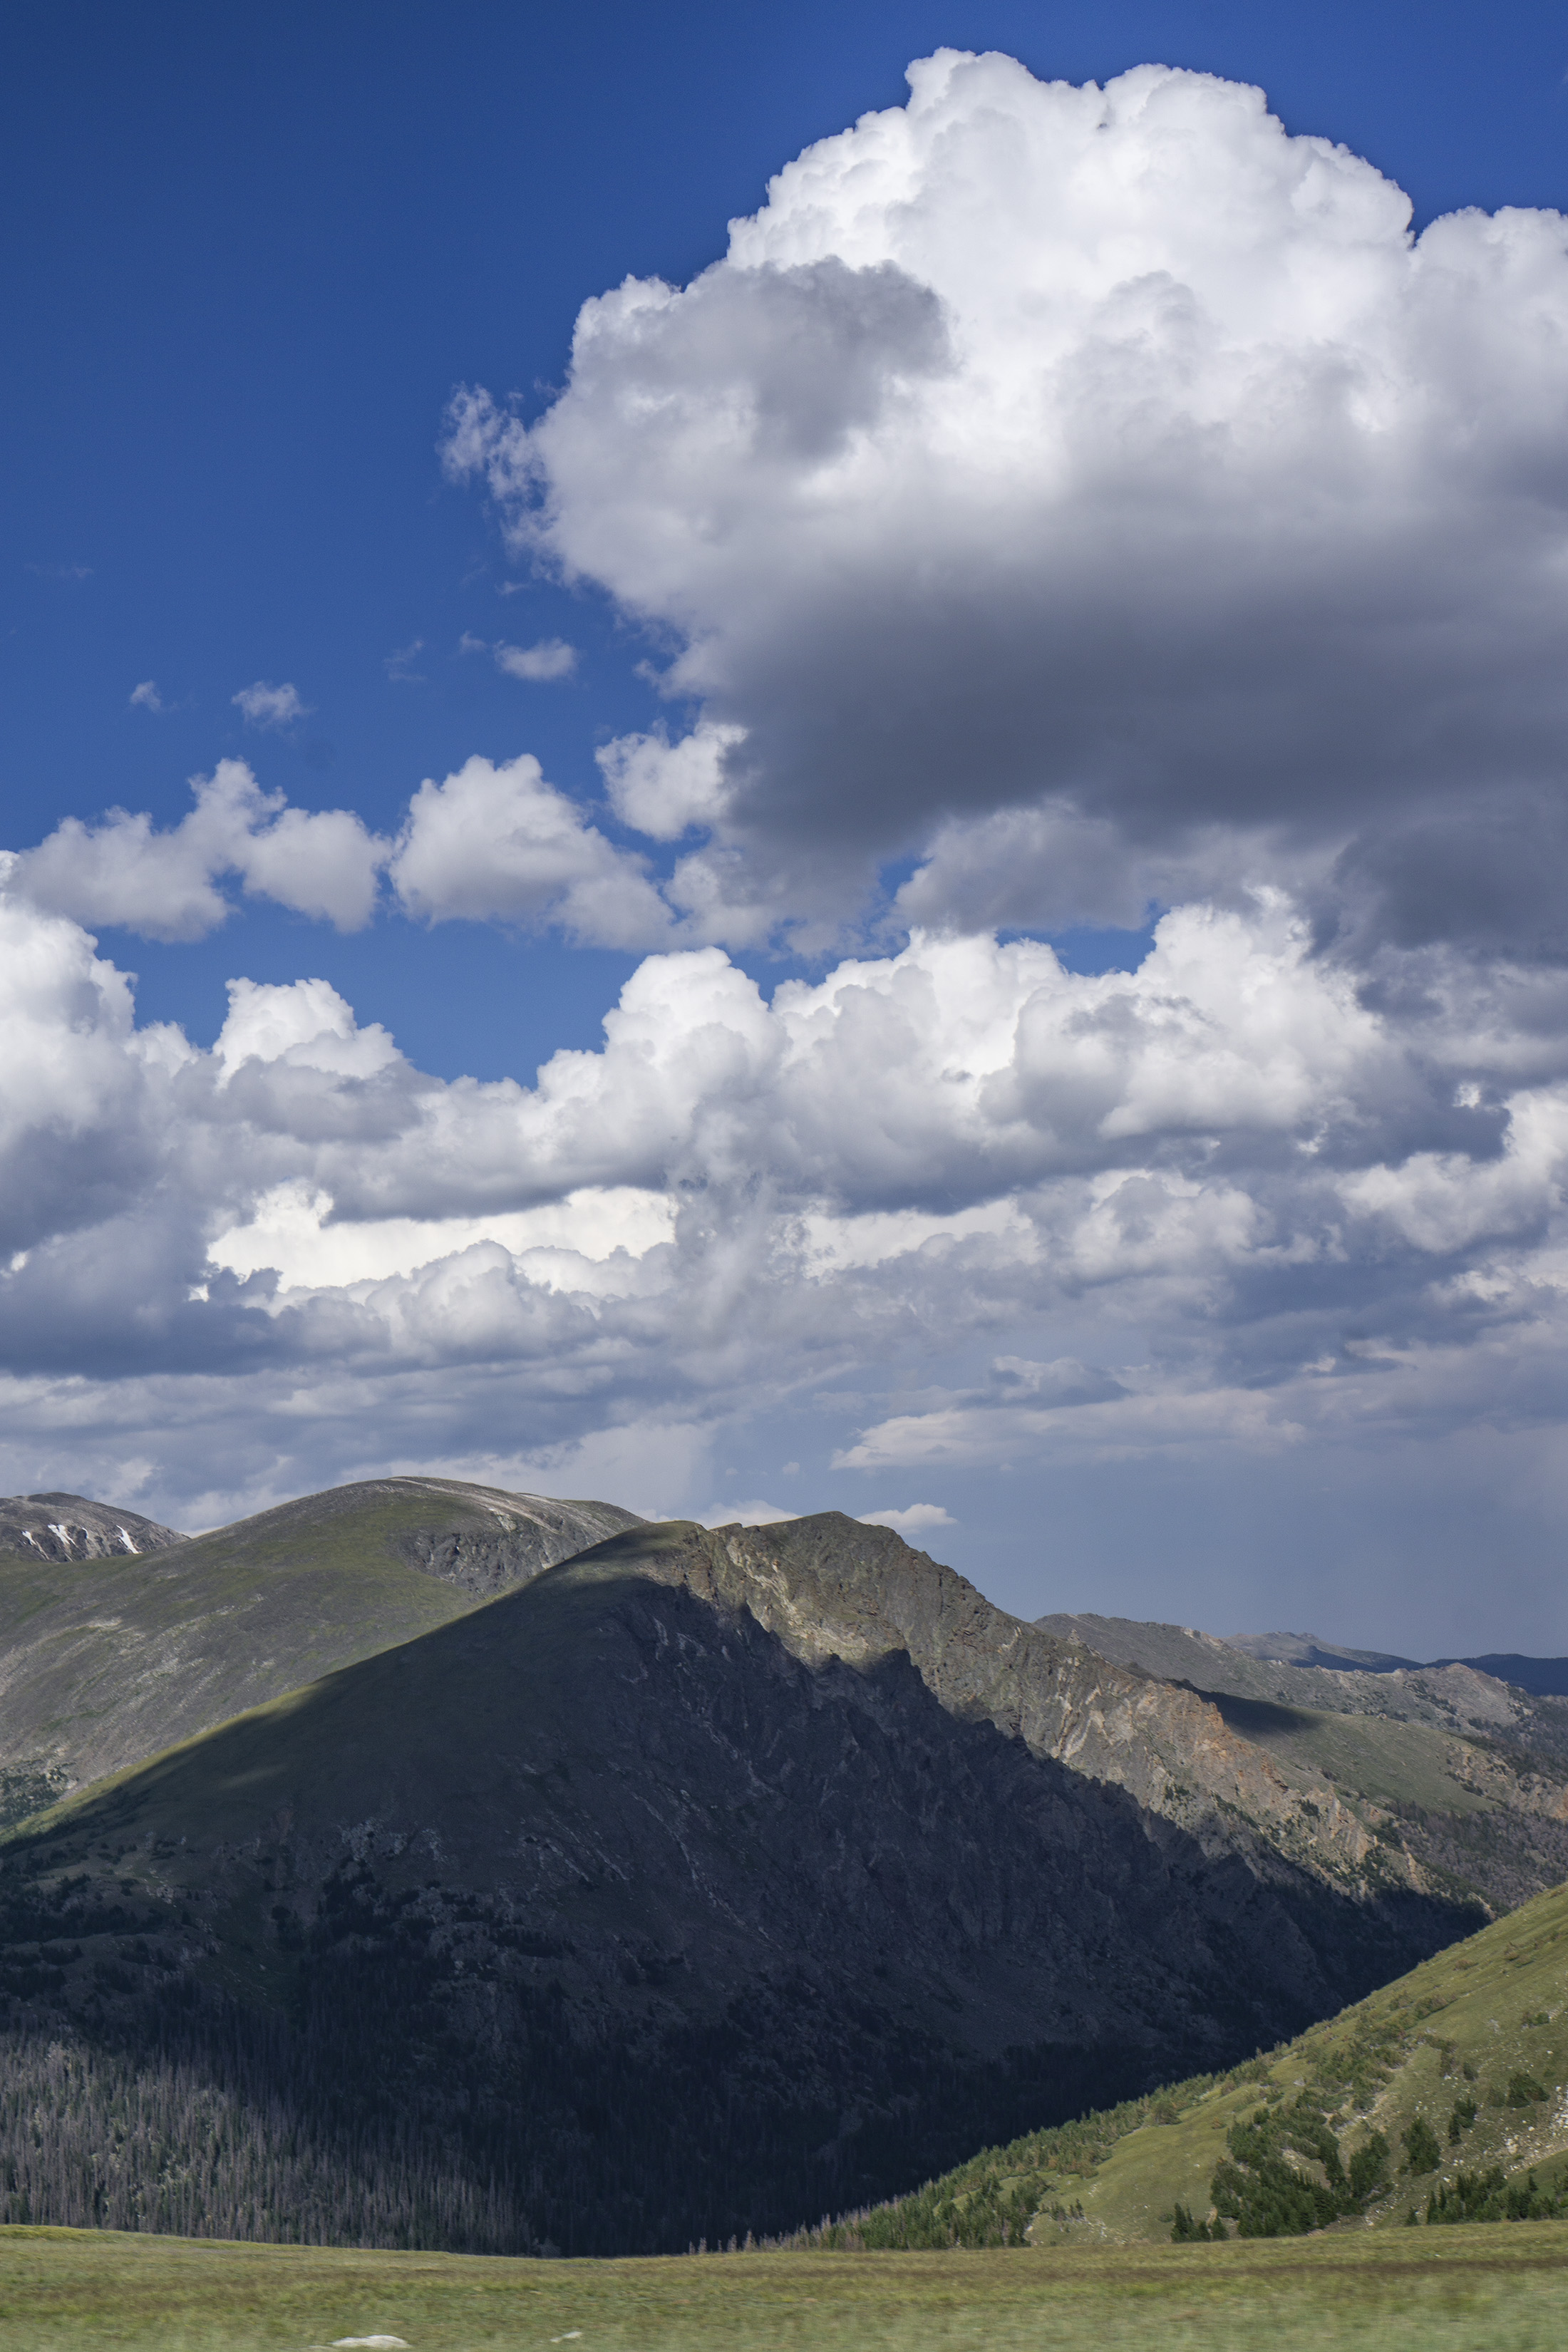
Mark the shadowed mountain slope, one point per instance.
(108, 1657)
(708, 1880)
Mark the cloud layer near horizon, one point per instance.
(1264, 1211)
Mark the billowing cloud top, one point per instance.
(1091, 475)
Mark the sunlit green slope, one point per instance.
(106, 1660)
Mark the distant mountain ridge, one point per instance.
(1546, 1678)
(1460, 1776)
(68, 1527)
(1307, 1650)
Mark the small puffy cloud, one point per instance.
(499, 844)
(917, 1519)
(164, 884)
(324, 863)
(146, 696)
(270, 706)
(664, 788)
(745, 1515)
(552, 658)
(304, 1025)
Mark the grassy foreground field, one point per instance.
(1484, 2290)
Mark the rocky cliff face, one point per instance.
(501, 1538)
(828, 1585)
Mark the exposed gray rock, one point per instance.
(509, 1537)
(68, 1527)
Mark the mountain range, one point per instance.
(466, 1867)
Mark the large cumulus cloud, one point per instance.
(1104, 454)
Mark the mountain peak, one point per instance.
(70, 1526)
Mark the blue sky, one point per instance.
(249, 262)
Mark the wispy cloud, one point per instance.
(65, 572)
(270, 705)
(400, 666)
(146, 696)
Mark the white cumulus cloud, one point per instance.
(1107, 455)
(664, 788)
(498, 843)
(164, 884)
(967, 1211)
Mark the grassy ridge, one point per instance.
(1446, 2291)
(1479, 2025)
(105, 1662)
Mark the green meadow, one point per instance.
(1492, 2290)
